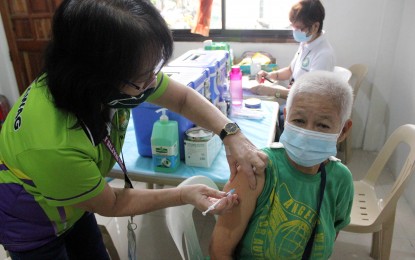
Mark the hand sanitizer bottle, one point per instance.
(165, 143)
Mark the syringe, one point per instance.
(212, 207)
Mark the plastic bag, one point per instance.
(202, 24)
(132, 250)
(260, 57)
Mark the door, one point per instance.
(27, 24)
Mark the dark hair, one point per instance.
(95, 46)
(308, 12)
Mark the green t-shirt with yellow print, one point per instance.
(285, 213)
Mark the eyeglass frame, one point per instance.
(148, 83)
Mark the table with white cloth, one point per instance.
(260, 132)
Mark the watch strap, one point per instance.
(223, 134)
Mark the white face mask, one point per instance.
(308, 148)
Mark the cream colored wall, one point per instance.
(401, 85)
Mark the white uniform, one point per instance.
(317, 55)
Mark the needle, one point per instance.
(212, 207)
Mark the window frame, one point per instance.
(223, 35)
(263, 36)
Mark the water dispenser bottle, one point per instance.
(236, 86)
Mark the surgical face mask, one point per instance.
(308, 148)
(300, 36)
(121, 100)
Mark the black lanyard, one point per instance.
(127, 181)
(113, 151)
(309, 247)
(301, 64)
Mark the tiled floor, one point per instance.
(154, 241)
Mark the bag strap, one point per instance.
(309, 247)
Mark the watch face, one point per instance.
(231, 128)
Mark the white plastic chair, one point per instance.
(343, 72)
(358, 73)
(180, 223)
(4, 255)
(109, 244)
(371, 214)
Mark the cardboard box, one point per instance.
(202, 154)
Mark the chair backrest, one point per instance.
(359, 72)
(343, 72)
(180, 222)
(403, 134)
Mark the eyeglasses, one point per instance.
(148, 83)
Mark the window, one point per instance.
(231, 20)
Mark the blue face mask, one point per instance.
(308, 148)
(300, 36)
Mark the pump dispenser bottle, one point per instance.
(165, 144)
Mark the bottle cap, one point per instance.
(198, 134)
(207, 43)
(235, 69)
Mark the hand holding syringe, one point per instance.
(212, 207)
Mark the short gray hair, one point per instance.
(325, 83)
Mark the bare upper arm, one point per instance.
(173, 97)
(231, 226)
(101, 204)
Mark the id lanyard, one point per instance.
(309, 247)
(108, 143)
(132, 253)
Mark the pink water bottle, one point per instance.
(236, 86)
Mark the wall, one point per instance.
(401, 95)
(353, 34)
(377, 33)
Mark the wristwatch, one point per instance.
(229, 129)
(277, 94)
